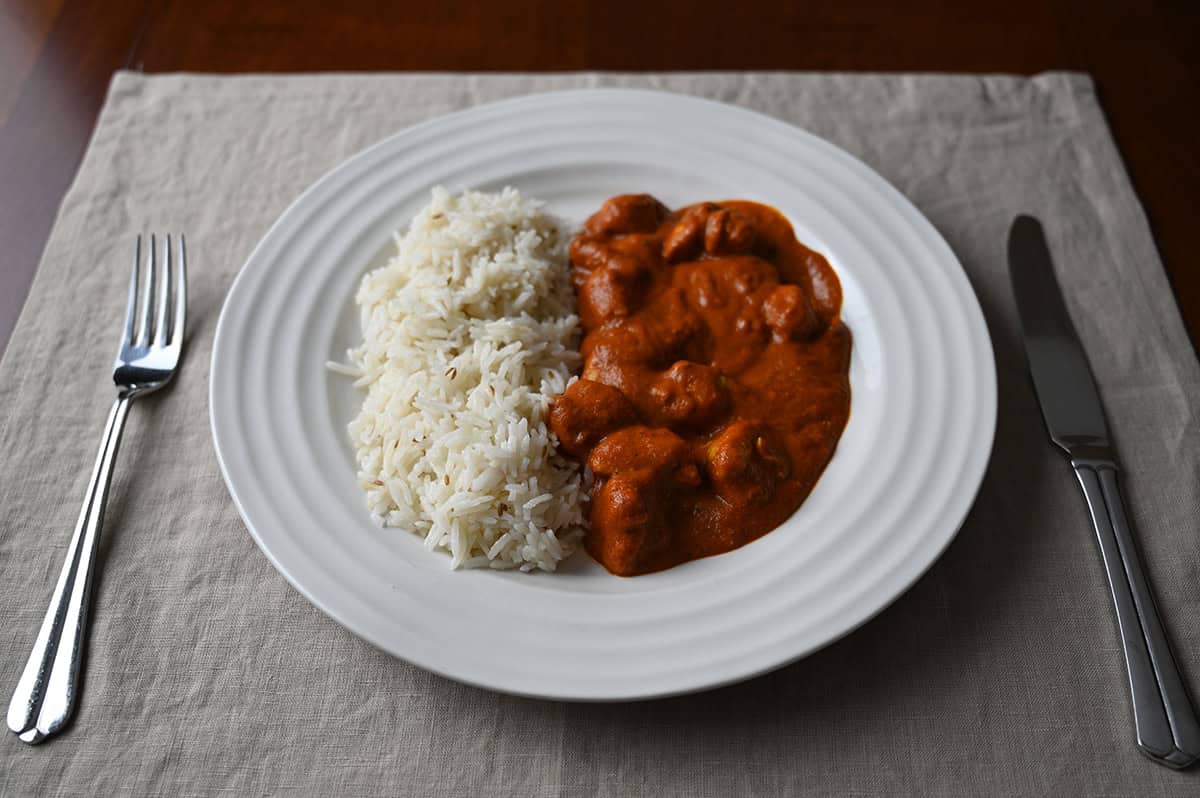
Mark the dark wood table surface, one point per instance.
(57, 57)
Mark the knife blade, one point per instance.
(1062, 377)
(1166, 725)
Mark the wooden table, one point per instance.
(57, 56)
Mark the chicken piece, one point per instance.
(728, 232)
(686, 239)
(628, 522)
(638, 448)
(690, 394)
(676, 325)
(645, 469)
(622, 355)
(586, 255)
(790, 315)
(643, 247)
(608, 294)
(631, 257)
(627, 213)
(656, 341)
(612, 277)
(745, 461)
(585, 413)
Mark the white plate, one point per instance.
(905, 473)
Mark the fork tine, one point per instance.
(164, 297)
(178, 318)
(146, 308)
(131, 307)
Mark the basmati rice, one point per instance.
(468, 333)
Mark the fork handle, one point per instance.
(1167, 729)
(47, 691)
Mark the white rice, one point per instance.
(468, 333)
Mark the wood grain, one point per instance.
(24, 26)
(56, 57)
(45, 133)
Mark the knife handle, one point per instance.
(1167, 729)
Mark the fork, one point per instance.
(148, 357)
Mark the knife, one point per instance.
(1167, 728)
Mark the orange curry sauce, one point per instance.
(715, 382)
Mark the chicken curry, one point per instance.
(715, 382)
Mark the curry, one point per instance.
(715, 383)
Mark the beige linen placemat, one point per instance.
(999, 673)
